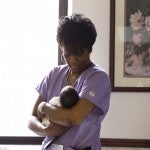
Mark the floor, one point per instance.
(123, 148)
(33, 147)
(19, 147)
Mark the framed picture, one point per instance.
(130, 45)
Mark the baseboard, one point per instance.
(106, 142)
(140, 143)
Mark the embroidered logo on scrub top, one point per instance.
(92, 94)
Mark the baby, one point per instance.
(67, 99)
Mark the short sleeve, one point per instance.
(96, 88)
(43, 87)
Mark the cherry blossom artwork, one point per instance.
(137, 39)
(129, 57)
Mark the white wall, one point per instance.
(129, 114)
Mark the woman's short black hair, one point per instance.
(76, 33)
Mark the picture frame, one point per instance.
(129, 65)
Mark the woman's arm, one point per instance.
(67, 117)
(37, 127)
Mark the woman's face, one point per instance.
(77, 63)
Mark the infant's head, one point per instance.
(68, 97)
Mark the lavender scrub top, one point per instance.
(94, 85)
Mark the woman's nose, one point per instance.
(73, 59)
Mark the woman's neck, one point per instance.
(73, 76)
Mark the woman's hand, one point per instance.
(41, 107)
(40, 113)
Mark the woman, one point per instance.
(78, 127)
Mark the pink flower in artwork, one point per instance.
(137, 20)
(137, 60)
(137, 39)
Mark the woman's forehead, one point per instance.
(72, 50)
